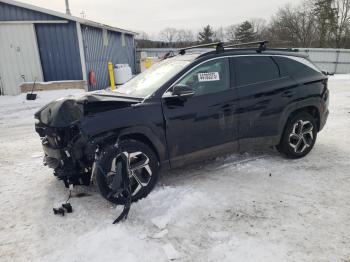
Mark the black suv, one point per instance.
(189, 107)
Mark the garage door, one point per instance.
(20, 61)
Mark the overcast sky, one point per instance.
(152, 16)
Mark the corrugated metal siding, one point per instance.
(328, 59)
(19, 55)
(14, 13)
(58, 43)
(59, 51)
(97, 55)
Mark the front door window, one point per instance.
(209, 77)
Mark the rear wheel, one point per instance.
(144, 169)
(299, 136)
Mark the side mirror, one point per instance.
(182, 91)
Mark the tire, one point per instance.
(299, 136)
(142, 180)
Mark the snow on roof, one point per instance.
(68, 17)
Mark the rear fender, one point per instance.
(291, 109)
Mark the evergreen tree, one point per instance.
(245, 32)
(206, 36)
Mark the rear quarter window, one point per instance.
(297, 67)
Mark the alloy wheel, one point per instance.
(301, 136)
(140, 172)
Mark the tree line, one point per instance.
(313, 23)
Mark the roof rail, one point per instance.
(262, 45)
(283, 49)
(217, 45)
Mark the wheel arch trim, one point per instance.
(146, 135)
(311, 106)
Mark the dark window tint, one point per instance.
(292, 67)
(210, 77)
(251, 69)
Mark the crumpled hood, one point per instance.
(65, 111)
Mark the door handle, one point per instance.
(226, 108)
(288, 94)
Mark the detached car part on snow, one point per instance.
(187, 108)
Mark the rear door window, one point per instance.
(253, 69)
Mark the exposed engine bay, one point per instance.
(69, 149)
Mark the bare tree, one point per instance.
(342, 8)
(142, 36)
(230, 33)
(313, 23)
(293, 26)
(347, 38)
(306, 23)
(184, 36)
(260, 27)
(168, 34)
(219, 35)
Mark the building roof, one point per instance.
(68, 17)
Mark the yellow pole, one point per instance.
(111, 75)
(148, 62)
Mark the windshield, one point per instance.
(152, 79)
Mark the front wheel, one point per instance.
(299, 136)
(144, 168)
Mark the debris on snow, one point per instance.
(160, 234)
(161, 222)
(37, 155)
(171, 252)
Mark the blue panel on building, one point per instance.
(59, 47)
(14, 13)
(98, 52)
(59, 51)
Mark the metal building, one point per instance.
(45, 45)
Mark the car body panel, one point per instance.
(199, 123)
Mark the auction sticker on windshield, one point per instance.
(206, 77)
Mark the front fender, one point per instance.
(144, 120)
(157, 139)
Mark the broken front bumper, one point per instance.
(323, 119)
(54, 158)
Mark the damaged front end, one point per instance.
(68, 150)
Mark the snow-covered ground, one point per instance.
(230, 209)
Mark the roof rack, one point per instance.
(262, 45)
(220, 47)
(217, 45)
